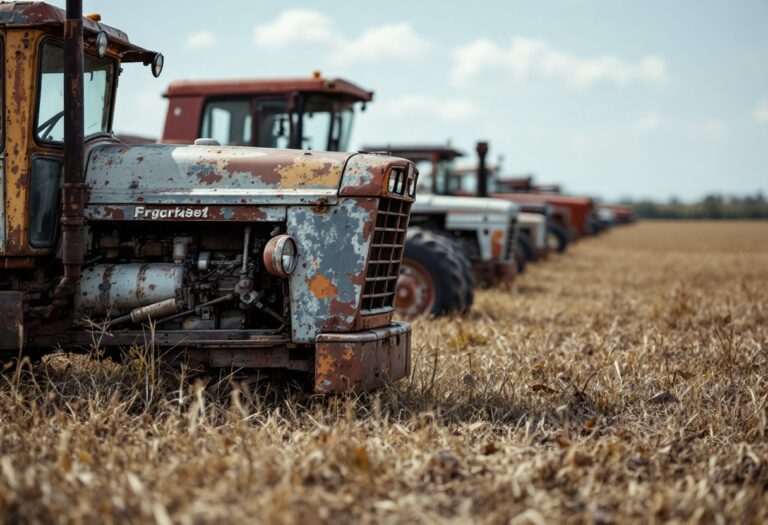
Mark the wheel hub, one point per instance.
(415, 294)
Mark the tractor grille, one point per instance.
(386, 253)
(511, 241)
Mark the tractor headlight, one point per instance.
(157, 64)
(413, 176)
(281, 255)
(101, 43)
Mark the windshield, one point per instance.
(326, 124)
(425, 176)
(97, 94)
(444, 170)
(465, 182)
(442, 177)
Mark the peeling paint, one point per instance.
(322, 287)
(331, 245)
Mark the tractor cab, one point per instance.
(34, 107)
(312, 113)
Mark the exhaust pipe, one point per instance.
(73, 190)
(482, 170)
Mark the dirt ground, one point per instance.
(625, 381)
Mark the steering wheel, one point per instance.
(46, 127)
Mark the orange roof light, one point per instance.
(96, 17)
(316, 74)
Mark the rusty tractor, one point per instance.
(485, 230)
(317, 112)
(225, 256)
(526, 240)
(582, 210)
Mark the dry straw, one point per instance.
(623, 382)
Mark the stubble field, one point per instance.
(625, 381)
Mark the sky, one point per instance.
(609, 98)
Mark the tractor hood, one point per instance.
(532, 218)
(121, 174)
(430, 203)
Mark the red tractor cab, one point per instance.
(297, 113)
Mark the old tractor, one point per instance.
(317, 113)
(582, 210)
(225, 256)
(485, 230)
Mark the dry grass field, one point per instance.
(626, 381)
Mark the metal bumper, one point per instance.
(362, 361)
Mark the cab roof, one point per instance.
(40, 14)
(267, 86)
(416, 152)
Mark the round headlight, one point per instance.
(413, 176)
(281, 255)
(157, 64)
(101, 43)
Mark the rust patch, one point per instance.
(303, 171)
(497, 247)
(246, 165)
(322, 287)
(114, 213)
(321, 205)
(244, 213)
(339, 313)
(208, 176)
(356, 278)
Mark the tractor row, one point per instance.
(247, 236)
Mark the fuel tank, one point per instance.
(119, 288)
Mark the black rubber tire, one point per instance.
(466, 265)
(558, 236)
(526, 247)
(443, 262)
(519, 259)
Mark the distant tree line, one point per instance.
(710, 207)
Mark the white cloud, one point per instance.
(526, 58)
(296, 27)
(761, 111)
(201, 39)
(389, 41)
(709, 129)
(443, 109)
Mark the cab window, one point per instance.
(228, 121)
(45, 182)
(98, 78)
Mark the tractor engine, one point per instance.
(200, 277)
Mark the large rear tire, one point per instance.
(526, 247)
(432, 277)
(466, 266)
(519, 257)
(557, 238)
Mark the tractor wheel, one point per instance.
(431, 278)
(526, 247)
(466, 266)
(557, 238)
(519, 259)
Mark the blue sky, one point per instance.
(609, 98)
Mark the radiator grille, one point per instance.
(386, 253)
